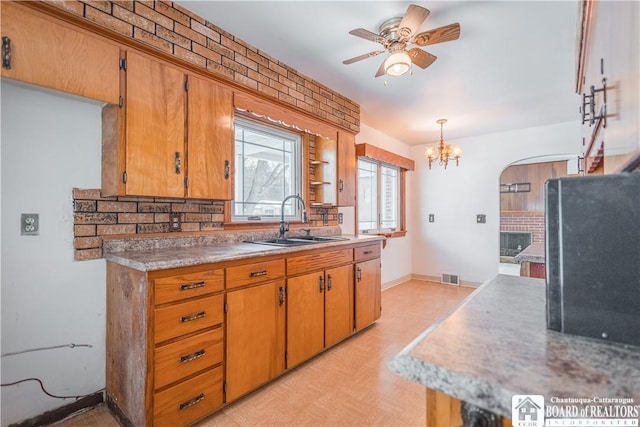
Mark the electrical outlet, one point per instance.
(340, 218)
(29, 224)
(432, 218)
(325, 218)
(175, 222)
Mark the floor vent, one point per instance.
(450, 279)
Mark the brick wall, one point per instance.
(531, 221)
(172, 29)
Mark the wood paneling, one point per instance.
(536, 174)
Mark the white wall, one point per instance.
(396, 257)
(455, 243)
(50, 144)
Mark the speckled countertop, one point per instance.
(496, 344)
(532, 253)
(158, 253)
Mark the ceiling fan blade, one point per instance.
(361, 57)
(421, 58)
(438, 35)
(381, 70)
(366, 34)
(413, 18)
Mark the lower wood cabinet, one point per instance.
(183, 342)
(255, 337)
(319, 312)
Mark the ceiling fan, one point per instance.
(399, 33)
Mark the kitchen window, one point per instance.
(268, 168)
(378, 197)
(381, 191)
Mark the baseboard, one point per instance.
(436, 279)
(117, 412)
(63, 412)
(396, 282)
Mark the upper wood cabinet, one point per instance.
(173, 137)
(346, 169)
(209, 140)
(605, 51)
(51, 54)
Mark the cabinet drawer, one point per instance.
(318, 261)
(187, 317)
(176, 288)
(185, 357)
(188, 401)
(366, 252)
(254, 273)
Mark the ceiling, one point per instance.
(512, 67)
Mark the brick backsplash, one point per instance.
(172, 29)
(531, 221)
(96, 216)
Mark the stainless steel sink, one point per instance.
(299, 241)
(284, 242)
(321, 238)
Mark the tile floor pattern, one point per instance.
(348, 385)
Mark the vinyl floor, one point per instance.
(347, 385)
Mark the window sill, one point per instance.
(388, 235)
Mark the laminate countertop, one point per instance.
(496, 344)
(159, 253)
(532, 253)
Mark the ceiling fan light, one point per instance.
(397, 63)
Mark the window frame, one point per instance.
(298, 154)
(379, 205)
(374, 154)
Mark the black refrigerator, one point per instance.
(592, 227)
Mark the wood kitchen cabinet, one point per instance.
(49, 53)
(165, 344)
(255, 337)
(319, 312)
(346, 169)
(173, 137)
(368, 305)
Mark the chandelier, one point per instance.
(444, 151)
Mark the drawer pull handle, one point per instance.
(199, 398)
(367, 252)
(321, 283)
(258, 273)
(193, 316)
(281, 296)
(6, 53)
(193, 356)
(359, 274)
(329, 282)
(189, 286)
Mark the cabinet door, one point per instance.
(47, 53)
(367, 293)
(255, 337)
(338, 308)
(155, 130)
(305, 317)
(346, 169)
(210, 140)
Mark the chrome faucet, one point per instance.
(283, 228)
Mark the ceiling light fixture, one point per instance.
(397, 63)
(444, 151)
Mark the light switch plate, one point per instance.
(340, 218)
(481, 219)
(432, 218)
